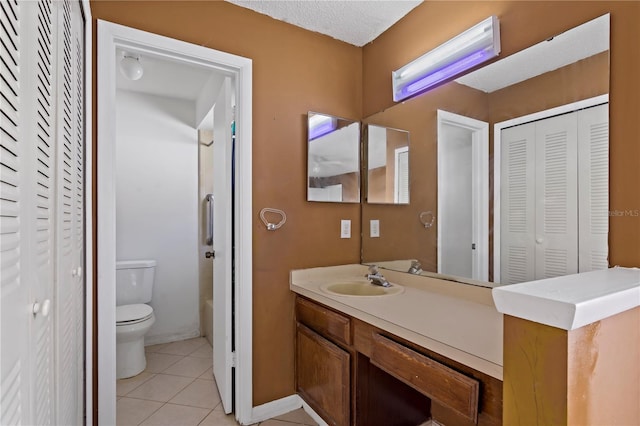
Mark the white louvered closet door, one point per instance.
(39, 125)
(555, 202)
(556, 192)
(593, 184)
(517, 223)
(69, 213)
(41, 213)
(15, 324)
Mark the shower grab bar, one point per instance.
(209, 198)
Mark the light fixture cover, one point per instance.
(466, 50)
(131, 67)
(320, 124)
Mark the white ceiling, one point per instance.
(356, 22)
(163, 77)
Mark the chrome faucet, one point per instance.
(415, 268)
(375, 277)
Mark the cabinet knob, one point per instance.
(539, 240)
(35, 308)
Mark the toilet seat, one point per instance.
(133, 314)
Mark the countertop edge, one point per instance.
(558, 302)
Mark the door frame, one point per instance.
(497, 158)
(480, 152)
(110, 37)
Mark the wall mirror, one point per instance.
(480, 157)
(333, 159)
(387, 165)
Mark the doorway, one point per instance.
(113, 38)
(463, 196)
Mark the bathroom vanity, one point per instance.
(371, 360)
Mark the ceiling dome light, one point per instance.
(131, 67)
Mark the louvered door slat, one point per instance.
(593, 182)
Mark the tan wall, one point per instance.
(402, 236)
(587, 376)
(522, 24)
(294, 71)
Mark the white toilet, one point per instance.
(134, 285)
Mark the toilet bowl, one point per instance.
(132, 323)
(134, 317)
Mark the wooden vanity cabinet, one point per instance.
(323, 369)
(323, 376)
(352, 373)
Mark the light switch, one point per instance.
(345, 228)
(374, 228)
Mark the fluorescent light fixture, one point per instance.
(320, 124)
(474, 46)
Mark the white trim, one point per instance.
(88, 212)
(283, 406)
(396, 177)
(497, 134)
(480, 146)
(111, 36)
(275, 408)
(313, 414)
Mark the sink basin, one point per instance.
(360, 288)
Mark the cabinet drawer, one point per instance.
(435, 380)
(326, 322)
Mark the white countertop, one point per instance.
(572, 301)
(456, 320)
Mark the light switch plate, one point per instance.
(345, 228)
(374, 228)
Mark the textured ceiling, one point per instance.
(356, 22)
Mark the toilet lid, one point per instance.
(127, 313)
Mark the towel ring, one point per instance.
(272, 226)
(426, 219)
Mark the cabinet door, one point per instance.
(322, 375)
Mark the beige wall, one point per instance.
(587, 376)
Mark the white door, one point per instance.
(517, 194)
(463, 191)
(593, 188)
(41, 212)
(222, 231)
(556, 195)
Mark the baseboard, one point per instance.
(168, 338)
(313, 414)
(275, 408)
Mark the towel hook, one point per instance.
(272, 226)
(427, 218)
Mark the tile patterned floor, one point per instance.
(178, 389)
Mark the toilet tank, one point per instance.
(134, 281)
